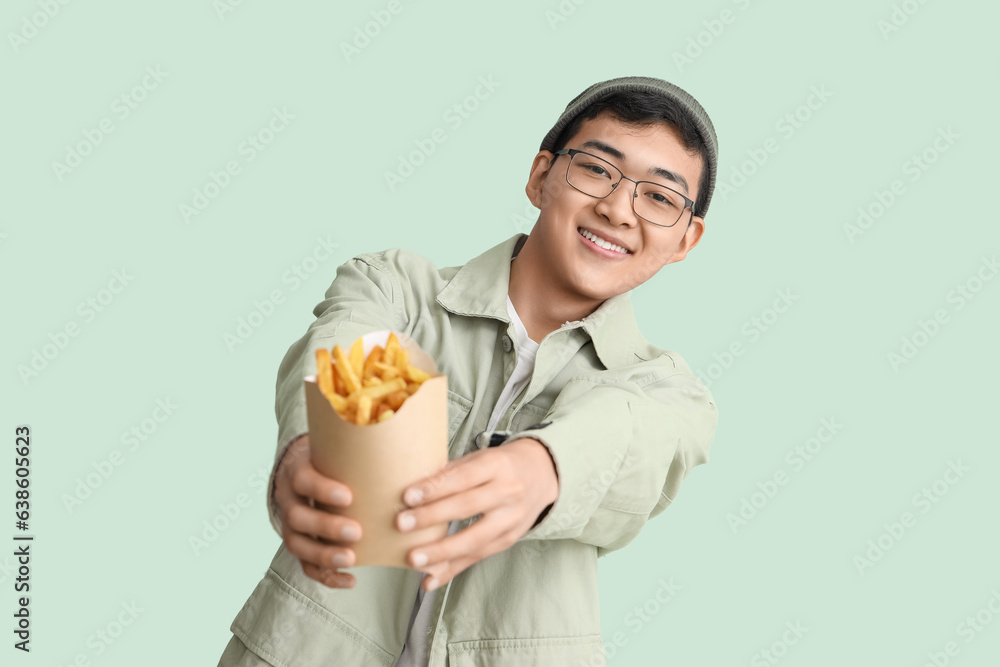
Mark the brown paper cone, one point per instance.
(378, 461)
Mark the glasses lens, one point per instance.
(659, 205)
(591, 175)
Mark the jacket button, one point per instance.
(507, 345)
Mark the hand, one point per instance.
(509, 485)
(315, 536)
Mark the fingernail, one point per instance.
(350, 533)
(432, 583)
(341, 560)
(413, 497)
(338, 497)
(406, 522)
(419, 559)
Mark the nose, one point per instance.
(617, 207)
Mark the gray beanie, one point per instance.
(651, 85)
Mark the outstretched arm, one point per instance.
(360, 300)
(610, 457)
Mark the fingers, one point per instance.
(309, 482)
(441, 573)
(304, 519)
(446, 571)
(479, 500)
(457, 475)
(296, 474)
(437, 573)
(302, 530)
(308, 550)
(319, 539)
(299, 483)
(493, 533)
(329, 577)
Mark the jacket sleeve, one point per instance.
(363, 297)
(622, 445)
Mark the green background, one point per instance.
(784, 227)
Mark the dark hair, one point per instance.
(645, 109)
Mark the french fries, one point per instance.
(367, 391)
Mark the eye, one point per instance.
(596, 169)
(660, 199)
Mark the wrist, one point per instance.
(541, 459)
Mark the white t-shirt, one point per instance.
(415, 651)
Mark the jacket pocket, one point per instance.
(459, 408)
(584, 650)
(288, 629)
(527, 415)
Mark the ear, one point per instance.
(690, 239)
(539, 170)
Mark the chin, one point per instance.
(588, 292)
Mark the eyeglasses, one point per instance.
(591, 175)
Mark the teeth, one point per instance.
(597, 240)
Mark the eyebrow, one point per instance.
(654, 171)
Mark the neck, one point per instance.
(538, 297)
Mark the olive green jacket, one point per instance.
(624, 422)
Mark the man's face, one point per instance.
(578, 266)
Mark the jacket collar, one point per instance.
(479, 289)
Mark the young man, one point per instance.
(568, 430)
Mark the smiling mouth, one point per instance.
(601, 243)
